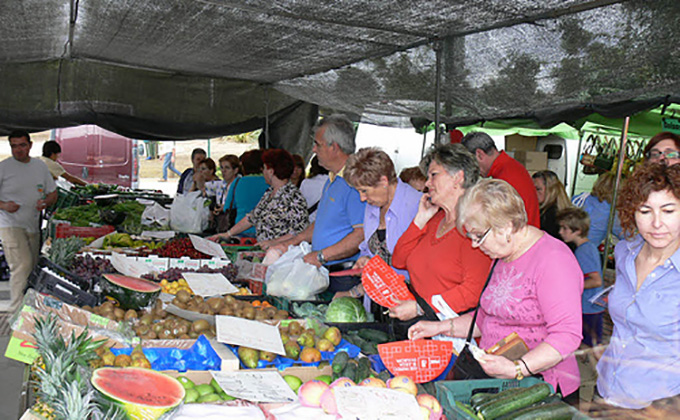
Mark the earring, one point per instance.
(507, 237)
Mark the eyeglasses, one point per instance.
(668, 154)
(476, 239)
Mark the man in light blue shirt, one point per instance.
(338, 230)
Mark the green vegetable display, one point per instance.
(89, 215)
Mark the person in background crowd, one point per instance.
(413, 177)
(282, 210)
(312, 187)
(338, 230)
(26, 189)
(299, 171)
(663, 148)
(391, 206)
(445, 270)
(250, 187)
(535, 290)
(167, 150)
(499, 165)
(597, 204)
(50, 154)
(207, 172)
(552, 198)
(151, 148)
(574, 224)
(640, 365)
(186, 180)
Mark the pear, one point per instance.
(333, 335)
(138, 353)
(325, 345)
(108, 358)
(292, 350)
(306, 340)
(249, 357)
(267, 356)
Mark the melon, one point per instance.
(130, 292)
(142, 394)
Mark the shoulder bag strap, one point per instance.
(233, 194)
(474, 317)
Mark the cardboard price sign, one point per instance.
(383, 285)
(422, 360)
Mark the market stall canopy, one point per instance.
(176, 69)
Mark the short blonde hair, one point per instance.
(491, 203)
(367, 166)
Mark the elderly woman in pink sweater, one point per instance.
(535, 290)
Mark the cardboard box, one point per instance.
(516, 142)
(533, 161)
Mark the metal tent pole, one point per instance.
(437, 93)
(578, 161)
(612, 209)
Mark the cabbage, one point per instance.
(346, 309)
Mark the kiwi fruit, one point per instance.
(200, 325)
(215, 304)
(183, 296)
(226, 311)
(146, 319)
(130, 315)
(249, 313)
(229, 299)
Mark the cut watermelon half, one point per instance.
(140, 393)
(130, 292)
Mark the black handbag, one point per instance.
(466, 366)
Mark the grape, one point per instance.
(173, 274)
(88, 268)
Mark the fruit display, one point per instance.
(130, 292)
(88, 268)
(180, 247)
(129, 390)
(107, 358)
(203, 393)
(109, 310)
(173, 274)
(227, 305)
(172, 287)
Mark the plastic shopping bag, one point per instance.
(189, 213)
(293, 278)
(156, 215)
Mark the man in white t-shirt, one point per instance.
(26, 189)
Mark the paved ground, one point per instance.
(10, 384)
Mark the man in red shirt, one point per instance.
(499, 165)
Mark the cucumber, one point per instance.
(493, 397)
(350, 370)
(554, 398)
(466, 409)
(553, 411)
(479, 398)
(375, 336)
(340, 361)
(363, 369)
(524, 398)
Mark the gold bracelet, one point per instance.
(452, 331)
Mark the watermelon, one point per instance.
(140, 393)
(346, 309)
(130, 292)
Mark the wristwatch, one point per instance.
(320, 257)
(518, 371)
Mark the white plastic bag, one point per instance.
(156, 215)
(189, 213)
(293, 278)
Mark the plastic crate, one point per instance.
(73, 290)
(448, 392)
(66, 231)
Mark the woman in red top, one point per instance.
(442, 264)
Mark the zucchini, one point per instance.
(493, 397)
(466, 409)
(479, 398)
(553, 411)
(554, 398)
(384, 375)
(350, 370)
(340, 361)
(375, 336)
(524, 398)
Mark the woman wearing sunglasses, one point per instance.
(663, 148)
(535, 290)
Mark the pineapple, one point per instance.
(74, 404)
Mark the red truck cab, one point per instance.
(98, 155)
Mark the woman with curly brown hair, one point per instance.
(642, 361)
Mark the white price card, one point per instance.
(253, 334)
(131, 267)
(209, 284)
(367, 403)
(159, 234)
(257, 386)
(208, 247)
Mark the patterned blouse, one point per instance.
(279, 214)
